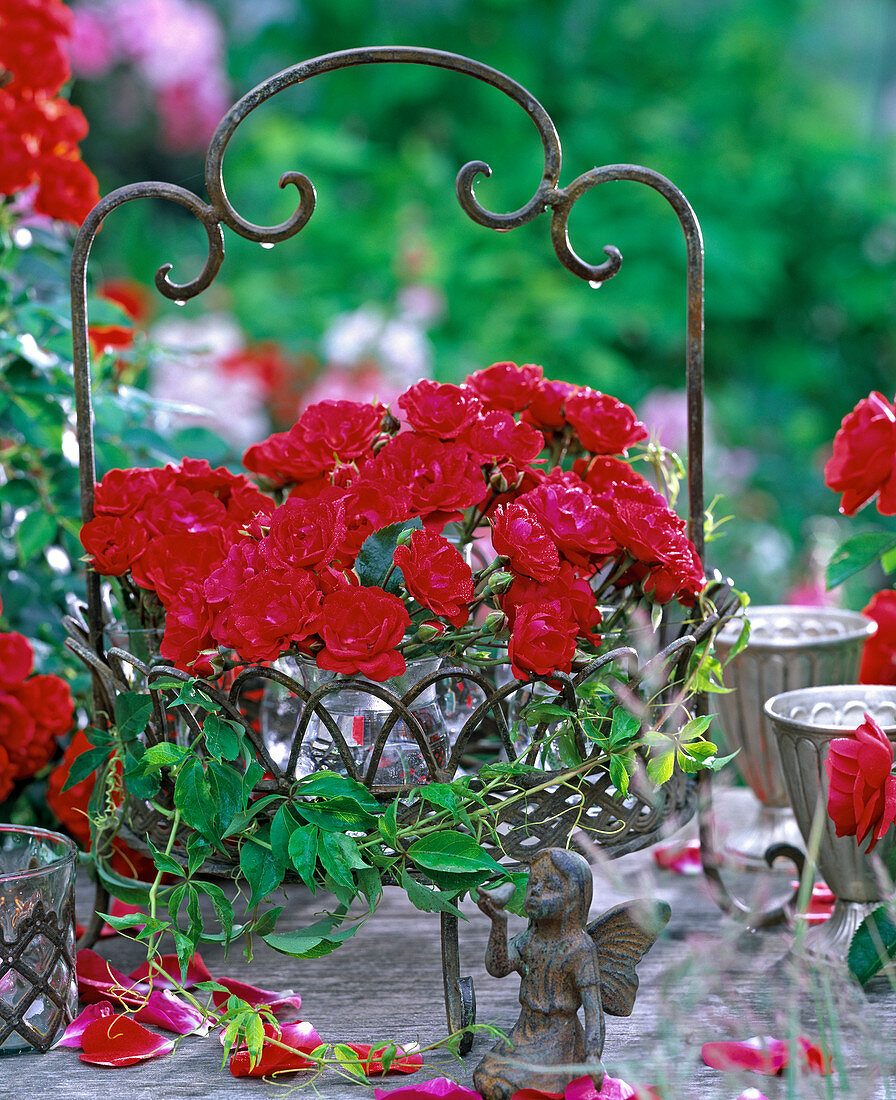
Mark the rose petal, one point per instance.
(442, 1087)
(761, 1055)
(276, 1001)
(536, 1094)
(680, 858)
(821, 904)
(71, 1037)
(164, 1009)
(99, 980)
(197, 972)
(817, 1058)
(300, 1036)
(402, 1063)
(120, 1041)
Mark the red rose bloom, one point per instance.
(123, 492)
(603, 472)
(573, 590)
(518, 536)
(114, 543)
(16, 658)
(172, 561)
(370, 504)
(7, 780)
(17, 731)
(436, 575)
(505, 385)
(864, 459)
(439, 479)
(861, 790)
(188, 621)
(543, 640)
(341, 428)
(48, 699)
(497, 435)
(572, 519)
(604, 424)
(879, 653)
(545, 410)
(439, 408)
(284, 457)
(360, 628)
(305, 532)
(273, 609)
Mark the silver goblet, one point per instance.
(805, 722)
(790, 647)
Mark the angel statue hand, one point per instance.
(492, 902)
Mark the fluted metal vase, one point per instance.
(805, 722)
(790, 647)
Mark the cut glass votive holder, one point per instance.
(38, 992)
(790, 647)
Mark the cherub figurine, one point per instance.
(564, 964)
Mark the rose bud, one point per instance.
(429, 630)
(405, 537)
(497, 482)
(390, 424)
(495, 622)
(499, 582)
(379, 442)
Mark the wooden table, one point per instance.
(706, 979)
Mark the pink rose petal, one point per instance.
(821, 904)
(442, 1087)
(680, 858)
(300, 1036)
(536, 1094)
(760, 1055)
(164, 1009)
(401, 1063)
(284, 1000)
(98, 980)
(71, 1037)
(197, 972)
(120, 1041)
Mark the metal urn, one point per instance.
(789, 647)
(805, 722)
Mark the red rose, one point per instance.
(273, 609)
(566, 586)
(545, 410)
(497, 435)
(543, 640)
(114, 543)
(188, 621)
(518, 536)
(604, 425)
(48, 699)
(7, 779)
(440, 408)
(341, 428)
(864, 459)
(17, 731)
(245, 504)
(436, 575)
(861, 790)
(360, 628)
(603, 472)
(244, 559)
(305, 532)
(879, 653)
(284, 457)
(566, 509)
(181, 510)
(16, 658)
(439, 479)
(172, 561)
(123, 492)
(505, 385)
(369, 506)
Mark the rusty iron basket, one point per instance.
(617, 825)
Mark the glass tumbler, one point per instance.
(38, 993)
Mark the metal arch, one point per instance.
(376, 55)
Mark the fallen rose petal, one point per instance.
(583, 1088)
(821, 904)
(120, 1041)
(817, 1059)
(680, 858)
(300, 1037)
(276, 1001)
(401, 1063)
(71, 1037)
(760, 1055)
(443, 1087)
(536, 1094)
(169, 977)
(164, 1009)
(98, 980)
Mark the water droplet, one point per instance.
(180, 302)
(595, 285)
(267, 244)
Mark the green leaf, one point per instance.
(83, 765)
(317, 939)
(163, 755)
(36, 531)
(370, 885)
(326, 784)
(873, 945)
(222, 905)
(336, 815)
(338, 855)
(888, 561)
(125, 889)
(193, 797)
(191, 695)
(226, 791)
(620, 769)
(536, 713)
(568, 750)
(244, 819)
(163, 861)
(303, 844)
(694, 730)
(388, 825)
(453, 852)
(263, 873)
(856, 554)
(222, 737)
(133, 710)
(660, 768)
(375, 555)
(428, 901)
(349, 1062)
(742, 641)
(624, 727)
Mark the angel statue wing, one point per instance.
(622, 936)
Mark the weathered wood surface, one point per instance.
(706, 979)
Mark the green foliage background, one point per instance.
(774, 119)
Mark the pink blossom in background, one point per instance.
(665, 412)
(92, 48)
